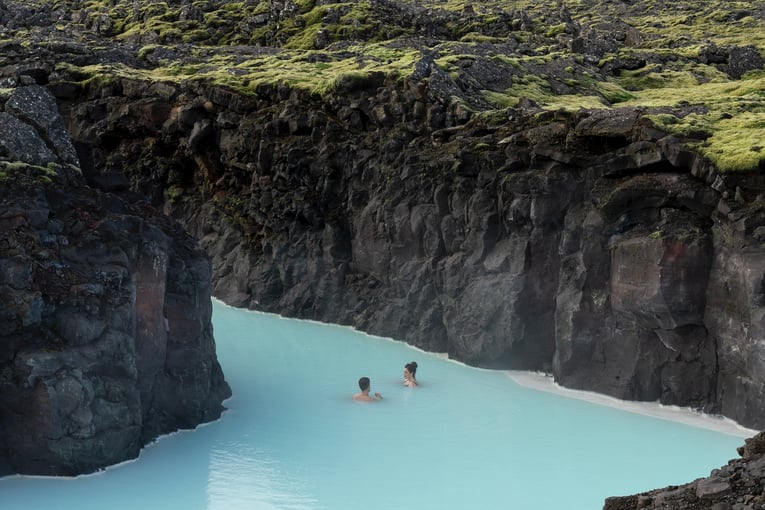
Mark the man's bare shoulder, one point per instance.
(360, 397)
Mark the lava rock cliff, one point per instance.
(590, 245)
(106, 341)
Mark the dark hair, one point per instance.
(412, 367)
(364, 383)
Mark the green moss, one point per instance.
(26, 174)
(613, 93)
(738, 143)
(492, 117)
(692, 125)
(477, 37)
(732, 131)
(295, 68)
(305, 5)
(147, 50)
(554, 30)
(197, 35)
(500, 100)
(655, 76)
(174, 193)
(353, 21)
(348, 80)
(532, 87)
(306, 39)
(575, 102)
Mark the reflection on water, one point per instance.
(292, 438)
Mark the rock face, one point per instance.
(106, 340)
(590, 244)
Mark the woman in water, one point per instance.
(410, 369)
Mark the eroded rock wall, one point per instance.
(586, 244)
(106, 340)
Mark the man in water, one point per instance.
(363, 395)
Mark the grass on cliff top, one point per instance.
(677, 24)
(649, 24)
(731, 133)
(220, 23)
(670, 35)
(317, 71)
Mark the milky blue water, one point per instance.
(292, 437)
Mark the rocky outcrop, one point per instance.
(106, 340)
(736, 486)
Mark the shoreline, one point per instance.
(545, 382)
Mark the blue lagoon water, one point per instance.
(292, 437)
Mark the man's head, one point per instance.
(364, 383)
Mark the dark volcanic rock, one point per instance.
(106, 340)
(587, 244)
(736, 486)
(37, 107)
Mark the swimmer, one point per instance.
(363, 395)
(410, 369)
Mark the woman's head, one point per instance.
(411, 368)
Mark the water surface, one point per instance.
(292, 437)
